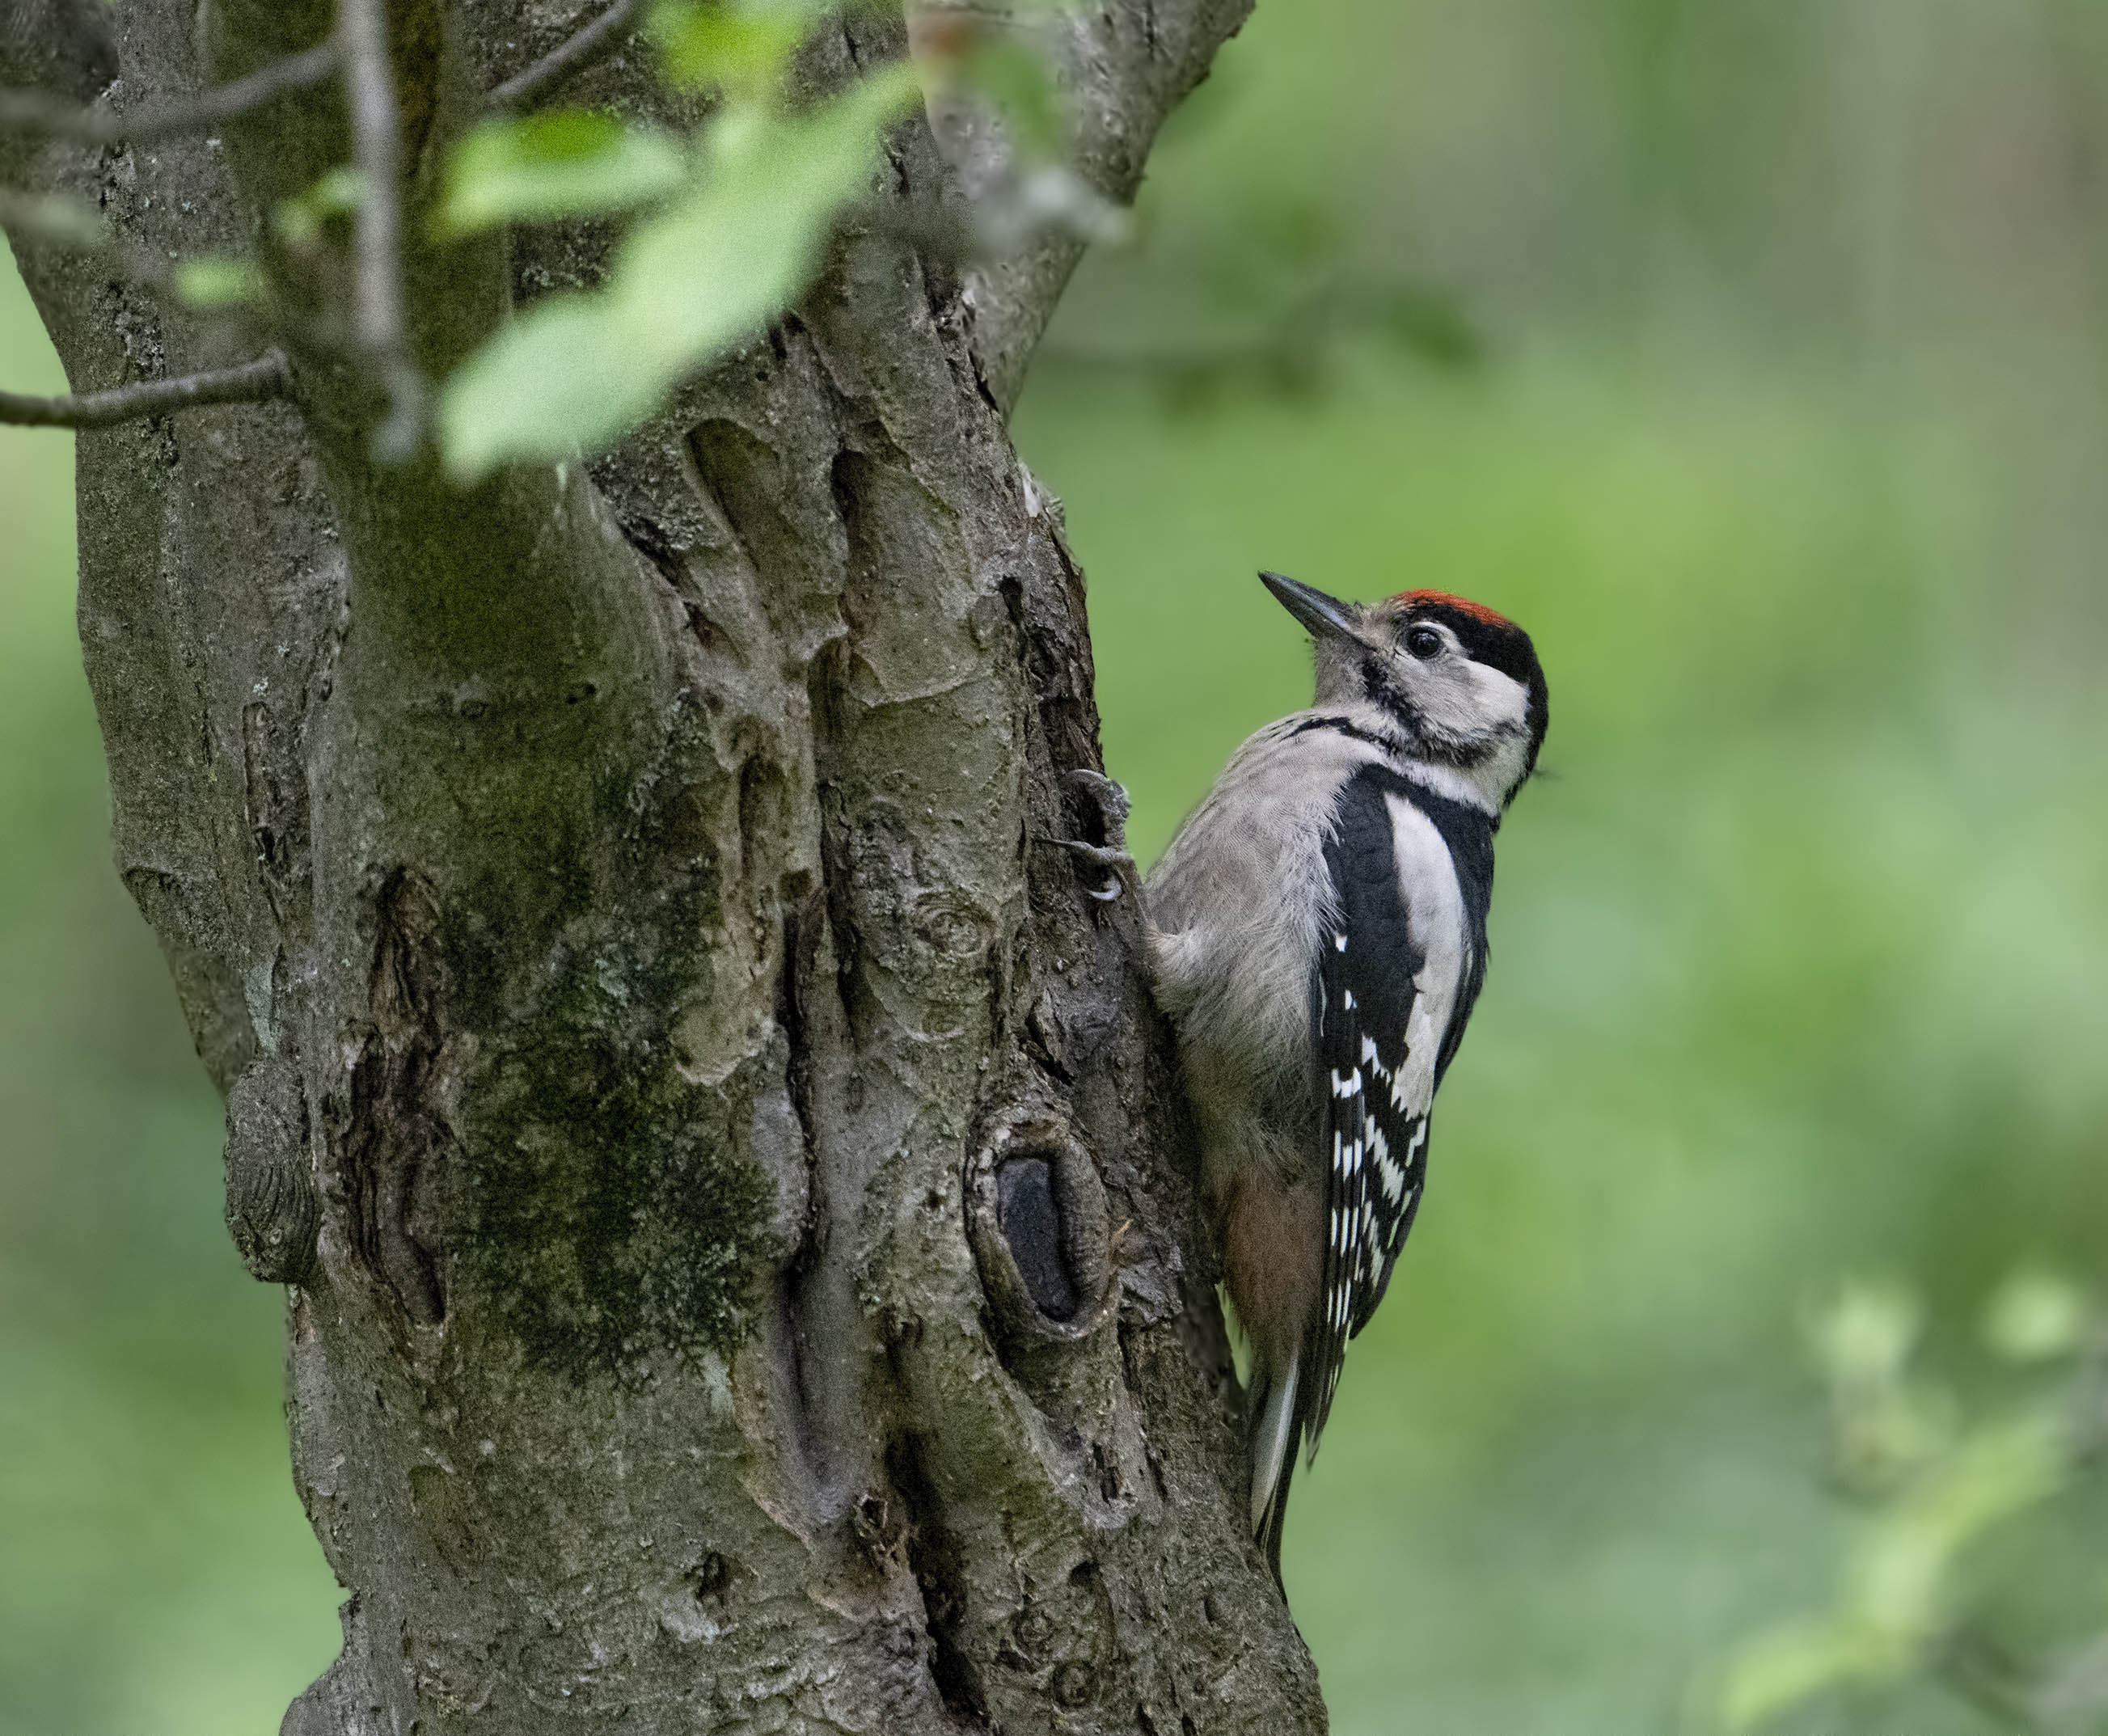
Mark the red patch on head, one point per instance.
(1462, 605)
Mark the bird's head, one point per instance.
(1460, 684)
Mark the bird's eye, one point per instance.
(1424, 642)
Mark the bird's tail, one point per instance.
(1274, 1426)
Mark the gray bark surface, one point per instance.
(734, 1194)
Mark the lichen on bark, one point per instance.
(612, 1206)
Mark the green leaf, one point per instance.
(557, 164)
(1866, 1336)
(1779, 1670)
(2037, 1316)
(688, 285)
(741, 48)
(1999, 1470)
(299, 220)
(218, 280)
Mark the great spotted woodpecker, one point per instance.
(1316, 933)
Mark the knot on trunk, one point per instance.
(273, 1210)
(1042, 1237)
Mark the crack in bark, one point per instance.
(825, 680)
(272, 1210)
(395, 1147)
(934, 1559)
(803, 919)
(652, 543)
(277, 813)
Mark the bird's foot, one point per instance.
(1099, 792)
(1108, 797)
(1121, 876)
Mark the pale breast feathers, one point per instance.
(1237, 896)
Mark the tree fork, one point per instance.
(744, 1269)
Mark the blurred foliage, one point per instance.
(334, 195)
(1786, 439)
(1934, 1487)
(741, 48)
(735, 218)
(579, 368)
(747, 206)
(563, 164)
(214, 281)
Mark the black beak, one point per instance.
(1324, 617)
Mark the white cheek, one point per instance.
(1501, 701)
(1468, 701)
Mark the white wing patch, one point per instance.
(1387, 988)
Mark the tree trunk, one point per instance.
(736, 1209)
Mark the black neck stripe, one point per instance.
(1397, 752)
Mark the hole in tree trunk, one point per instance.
(1030, 1217)
(1037, 1217)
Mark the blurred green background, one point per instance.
(1753, 354)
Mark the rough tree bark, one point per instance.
(732, 1193)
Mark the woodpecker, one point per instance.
(1317, 934)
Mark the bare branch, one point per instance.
(369, 82)
(40, 113)
(570, 56)
(253, 382)
(53, 218)
(59, 222)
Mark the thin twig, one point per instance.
(62, 223)
(377, 320)
(253, 382)
(573, 55)
(39, 112)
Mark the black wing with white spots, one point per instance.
(1372, 1120)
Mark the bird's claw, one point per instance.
(1111, 802)
(1099, 856)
